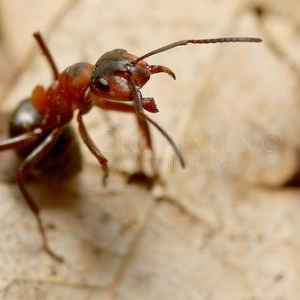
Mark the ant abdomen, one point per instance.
(63, 160)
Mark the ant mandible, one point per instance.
(39, 130)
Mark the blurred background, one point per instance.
(225, 227)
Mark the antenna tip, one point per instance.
(245, 39)
(257, 40)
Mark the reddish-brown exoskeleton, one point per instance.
(39, 125)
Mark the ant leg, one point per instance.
(39, 39)
(146, 143)
(139, 110)
(93, 148)
(148, 104)
(34, 157)
(20, 140)
(142, 123)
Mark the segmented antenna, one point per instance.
(200, 41)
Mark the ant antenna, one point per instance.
(200, 41)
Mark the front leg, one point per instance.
(146, 144)
(144, 130)
(93, 148)
(137, 102)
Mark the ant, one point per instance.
(39, 128)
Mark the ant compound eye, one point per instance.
(101, 84)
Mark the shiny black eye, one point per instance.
(101, 84)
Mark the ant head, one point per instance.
(109, 77)
(115, 70)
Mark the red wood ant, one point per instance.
(39, 130)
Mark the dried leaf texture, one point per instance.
(227, 226)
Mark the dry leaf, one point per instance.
(216, 230)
